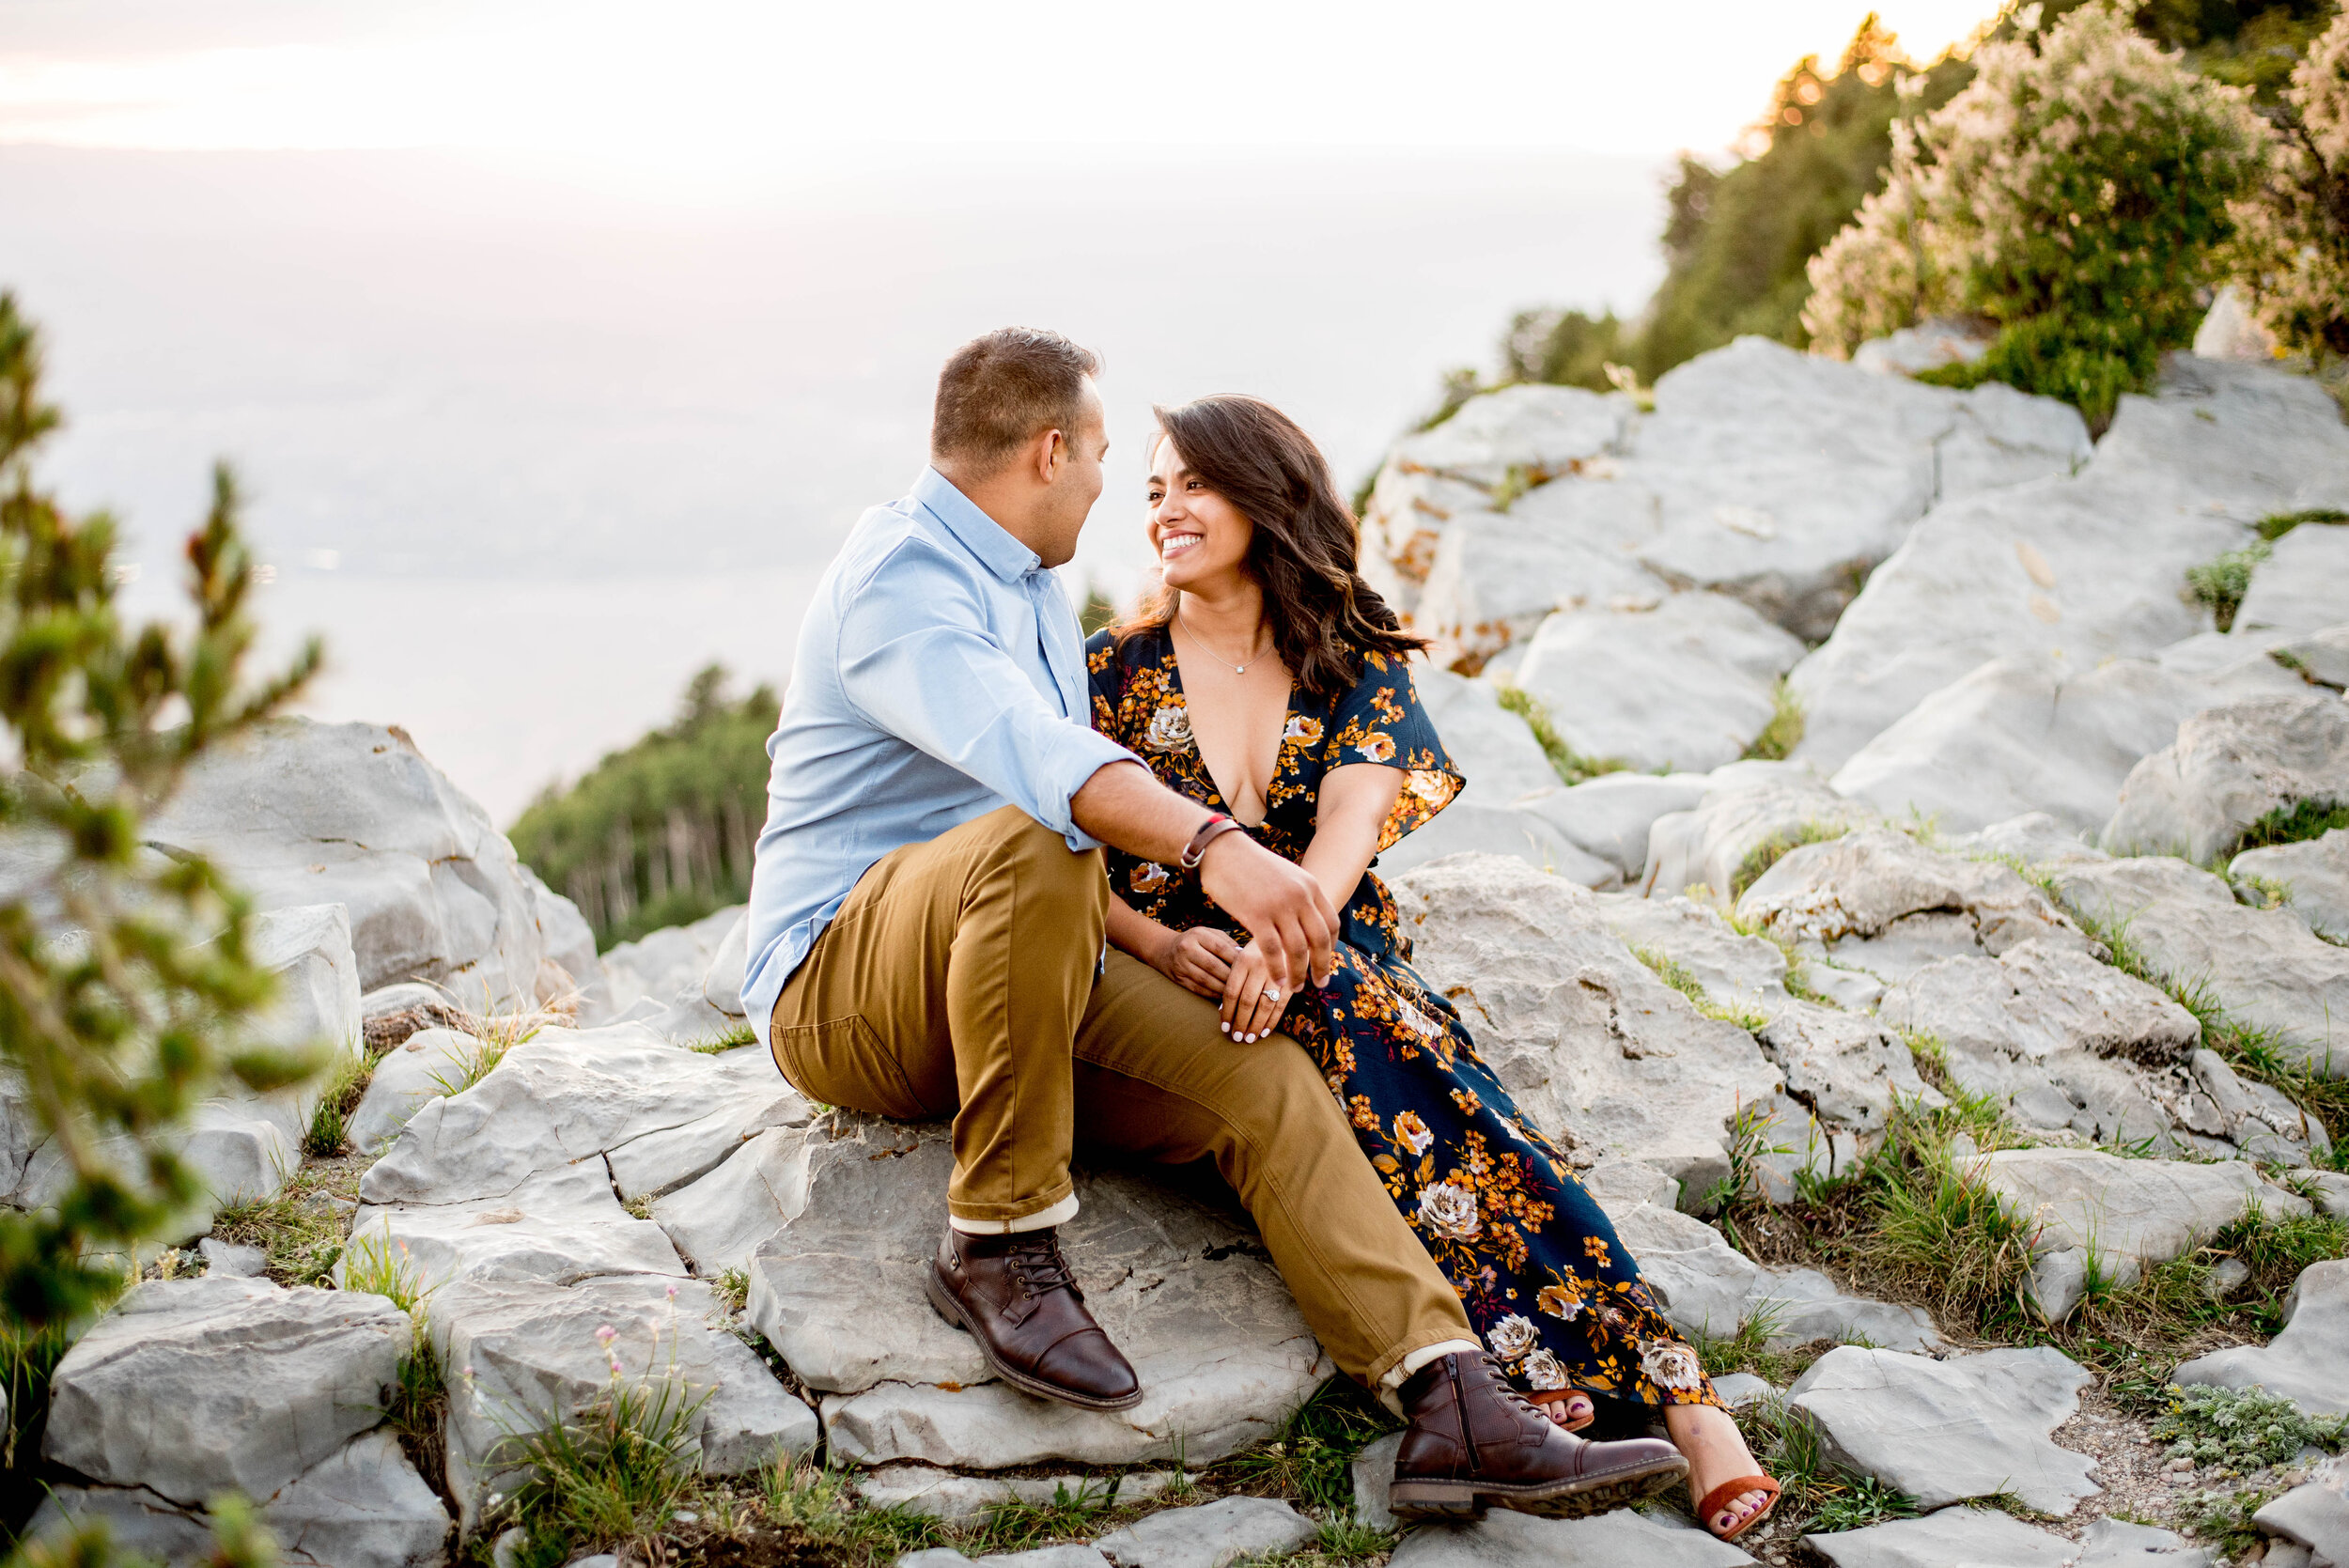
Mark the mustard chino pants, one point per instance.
(959, 980)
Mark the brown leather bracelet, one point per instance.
(1196, 850)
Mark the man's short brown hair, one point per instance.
(1002, 391)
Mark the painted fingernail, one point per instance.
(1225, 1027)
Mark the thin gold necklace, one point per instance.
(1235, 669)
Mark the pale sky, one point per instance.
(704, 93)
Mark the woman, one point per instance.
(1268, 681)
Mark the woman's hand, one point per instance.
(1199, 960)
(1252, 1003)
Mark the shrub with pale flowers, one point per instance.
(2075, 196)
(2295, 238)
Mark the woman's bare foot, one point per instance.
(1708, 1437)
(1572, 1412)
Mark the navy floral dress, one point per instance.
(1540, 1269)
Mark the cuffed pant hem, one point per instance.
(1388, 1373)
(1059, 1212)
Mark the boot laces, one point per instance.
(1039, 1267)
(1509, 1390)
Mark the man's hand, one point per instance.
(1199, 960)
(1281, 905)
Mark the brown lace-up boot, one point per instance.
(1475, 1441)
(1017, 1297)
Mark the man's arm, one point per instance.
(1282, 906)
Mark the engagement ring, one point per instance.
(1272, 993)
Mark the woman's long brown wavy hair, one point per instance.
(1305, 547)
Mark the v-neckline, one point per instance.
(1215, 790)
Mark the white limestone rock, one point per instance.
(1531, 426)
(2032, 839)
(363, 1506)
(1927, 346)
(570, 968)
(558, 1226)
(1752, 807)
(2321, 658)
(1211, 1535)
(563, 1095)
(658, 980)
(2262, 966)
(1373, 1473)
(722, 983)
(1612, 815)
(2229, 768)
(2328, 1190)
(1410, 509)
(304, 812)
(1467, 827)
(1493, 748)
(944, 1495)
(1503, 1539)
(1684, 683)
(429, 1063)
(2033, 733)
(836, 1289)
(524, 1354)
(1948, 1539)
(1735, 970)
(2308, 1362)
(2302, 585)
(1496, 579)
(2313, 1516)
(1845, 1066)
(192, 1386)
(1863, 895)
(1946, 1430)
(719, 1221)
(1599, 1053)
(2128, 1212)
(2314, 874)
(2038, 999)
(1706, 1287)
(2088, 566)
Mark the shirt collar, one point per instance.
(981, 535)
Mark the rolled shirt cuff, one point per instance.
(1077, 753)
(1042, 1219)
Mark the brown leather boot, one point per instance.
(1016, 1296)
(1475, 1441)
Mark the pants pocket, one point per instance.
(842, 1061)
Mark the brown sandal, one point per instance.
(1720, 1496)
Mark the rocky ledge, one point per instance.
(2030, 908)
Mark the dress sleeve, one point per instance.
(1381, 722)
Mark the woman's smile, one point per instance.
(1172, 545)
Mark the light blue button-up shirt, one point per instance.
(939, 677)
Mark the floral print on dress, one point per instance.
(1538, 1266)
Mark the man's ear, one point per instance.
(1051, 451)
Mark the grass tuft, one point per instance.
(345, 1086)
(301, 1230)
(1776, 848)
(2294, 824)
(1784, 732)
(1313, 1455)
(734, 1038)
(611, 1476)
(2275, 527)
(1570, 764)
(2221, 583)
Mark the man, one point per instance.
(926, 938)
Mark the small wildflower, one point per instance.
(605, 1335)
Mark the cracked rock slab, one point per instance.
(1600, 1054)
(362, 1507)
(1846, 1066)
(558, 1226)
(1735, 970)
(1859, 885)
(2264, 967)
(191, 1388)
(664, 1114)
(1212, 1536)
(520, 1356)
(2146, 1211)
(1188, 1295)
(1942, 1432)
(2309, 1362)
(1508, 1540)
(2228, 768)
(2314, 874)
(1750, 805)
(1953, 1536)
